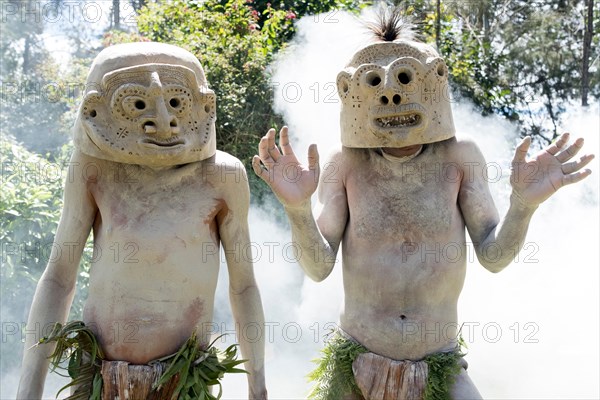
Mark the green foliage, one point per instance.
(199, 368)
(32, 188)
(79, 354)
(234, 51)
(32, 101)
(519, 59)
(442, 371)
(333, 376)
(30, 208)
(116, 36)
(296, 9)
(235, 41)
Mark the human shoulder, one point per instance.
(227, 173)
(86, 169)
(226, 160)
(344, 157)
(224, 169)
(336, 164)
(463, 151)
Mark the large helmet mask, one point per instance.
(395, 94)
(148, 104)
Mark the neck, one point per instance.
(402, 151)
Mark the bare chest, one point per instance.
(156, 208)
(410, 202)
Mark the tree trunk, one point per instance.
(438, 23)
(116, 14)
(587, 43)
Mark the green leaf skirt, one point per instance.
(334, 378)
(78, 354)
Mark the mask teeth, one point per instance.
(399, 121)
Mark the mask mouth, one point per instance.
(163, 143)
(399, 121)
(397, 117)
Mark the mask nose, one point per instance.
(391, 91)
(163, 125)
(388, 98)
(166, 125)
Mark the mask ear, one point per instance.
(343, 84)
(209, 104)
(89, 107)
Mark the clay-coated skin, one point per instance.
(152, 283)
(158, 223)
(402, 231)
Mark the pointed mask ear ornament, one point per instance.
(394, 92)
(148, 104)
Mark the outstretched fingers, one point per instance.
(264, 154)
(284, 142)
(313, 157)
(259, 170)
(559, 144)
(272, 147)
(521, 150)
(570, 151)
(575, 177)
(574, 166)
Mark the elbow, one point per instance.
(493, 257)
(317, 278)
(319, 274)
(493, 268)
(492, 264)
(57, 284)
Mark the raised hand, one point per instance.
(292, 182)
(536, 180)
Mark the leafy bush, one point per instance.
(234, 51)
(31, 204)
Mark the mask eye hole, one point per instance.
(404, 77)
(140, 104)
(373, 79)
(441, 70)
(179, 99)
(345, 87)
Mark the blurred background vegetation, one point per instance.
(524, 60)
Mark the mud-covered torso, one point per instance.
(156, 258)
(403, 250)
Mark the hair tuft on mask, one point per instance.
(390, 24)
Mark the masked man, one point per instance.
(147, 179)
(397, 196)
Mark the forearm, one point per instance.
(317, 255)
(505, 241)
(248, 313)
(51, 304)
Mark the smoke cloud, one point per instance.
(532, 330)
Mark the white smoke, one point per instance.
(531, 330)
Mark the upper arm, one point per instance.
(474, 198)
(332, 205)
(232, 220)
(76, 221)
